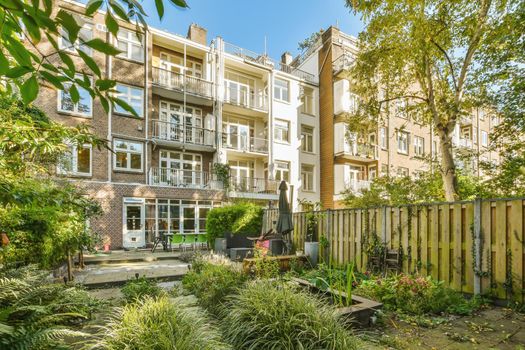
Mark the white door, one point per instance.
(134, 236)
(351, 177)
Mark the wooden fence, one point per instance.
(474, 247)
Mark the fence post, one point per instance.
(329, 233)
(477, 246)
(383, 224)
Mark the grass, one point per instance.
(139, 288)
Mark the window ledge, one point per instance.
(129, 60)
(128, 171)
(74, 114)
(127, 115)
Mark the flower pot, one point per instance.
(106, 247)
(311, 250)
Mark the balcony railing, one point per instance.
(248, 55)
(358, 185)
(301, 74)
(247, 99)
(184, 179)
(167, 131)
(343, 62)
(363, 150)
(253, 185)
(244, 143)
(182, 82)
(463, 142)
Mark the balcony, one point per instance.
(343, 64)
(361, 152)
(244, 143)
(184, 179)
(255, 188)
(356, 187)
(238, 96)
(462, 142)
(181, 83)
(248, 55)
(301, 74)
(190, 137)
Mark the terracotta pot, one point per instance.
(106, 247)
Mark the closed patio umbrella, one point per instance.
(284, 222)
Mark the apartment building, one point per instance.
(200, 102)
(399, 146)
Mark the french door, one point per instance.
(181, 169)
(134, 235)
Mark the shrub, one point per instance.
(416, 295)
(266, 315)
(239, 218)
(211, 283)
(159, 324)
(139, 288)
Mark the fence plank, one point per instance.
(404, 220)
(358, 221)
(423, 222)
(351, 235)
(434, 242)
(445, 245)
(468, 251)
(501, 249)
(388, 228)
(516, 243)
(486, 246)
(457, 260)
(414, 221)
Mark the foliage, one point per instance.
(140, 288)
(416, 295)
(222, 171)
(37, 314)
(264, 267)
(26, 24)
(159, 324)
(425, 59)
(310, 41)
(211, 283)
(269, 315)
(238, 218)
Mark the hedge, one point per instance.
(239, 218)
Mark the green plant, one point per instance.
(222, 171)
(211, 283)
(263, 266)
(270, 315)
(238, 218)
(139, 288)
(159, 324)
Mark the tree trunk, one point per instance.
(448, 167)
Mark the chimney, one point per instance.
(286, 58)
(197, 33)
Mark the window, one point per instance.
(401, 109)
(130, 45)
(494, 120)
(419, 146)
(481, 114)
(281, 130)
(128, 155)
(402, 171)
(83, 107)
(307, 139)
(484, 138)
(133, 96)
(85, 34)
(402, 142)
(372, 172)
(282, 171)
(76, 161)
(280, 90)
(307, 177)
(384, 169)
(307, 101)
(383, 138)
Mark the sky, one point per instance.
(246, 23)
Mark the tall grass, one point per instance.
(159, 324)
(268, 315)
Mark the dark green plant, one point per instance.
(222, 171)
(211, 283)
(237, 218)
(160, 324)
(140, 288)
(269, 315)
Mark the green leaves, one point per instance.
(92, 6)
(160, 8)
(29, 89)
(124, 105)
(102, 46)
(180, 3)
(69, 23)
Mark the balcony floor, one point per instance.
(174, 94)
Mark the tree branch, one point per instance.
(449, 62)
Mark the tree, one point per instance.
(311, 40)
(429, 53)
(23, 65)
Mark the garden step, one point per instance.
(120, 257)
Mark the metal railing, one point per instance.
(248, 55)
(182, 82)
(244, 98)
(463, 142)
(358, 185)
(244, 143)
(363, 150)
(301, 74)
(175, 132)
(184, 179)
(343, 62)
(253, 185)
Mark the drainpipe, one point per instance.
(109, 73)
(147, 109)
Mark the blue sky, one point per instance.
(245, 23)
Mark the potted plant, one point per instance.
(106, 243)
(311, 246)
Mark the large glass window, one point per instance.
(282, 171)
(281, 90)
(85, 34)
(281, 130)
(307, 138)
(130, 45)
(419, 146)
(484, 138)
(76, 161)
(307, 177)
(402, 142)
(133, 96)
(383, 137)
(128, 155)
(84, 106)
(307, 100)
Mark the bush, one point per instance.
(211, 283)
(266, 315)
(159, 324)
(139, 288)
(416, 295)
(239, 218)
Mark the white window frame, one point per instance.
(128, 97)
(402, 108)
(280, 127)
(131, 40)
(129, 152)
(403, 171)
(73, 159)
(403, 150)
(75, 110)
(383, 137)
(484, 138)
(77, 45)
(281, 168)
(307, 139)
(279, 91)
(307, 101)
(419, 146)
(307, 177)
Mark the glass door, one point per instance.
(171, 70)
(170, 121)
(134, 235)
(188, 219)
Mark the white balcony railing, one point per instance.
(175, 132)
(462, 142)
(184, 178)
(363, 150)
(253, 185)
(248, 55)
(182, 82)
(244, 143)
(248, 99)
(358, 185)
